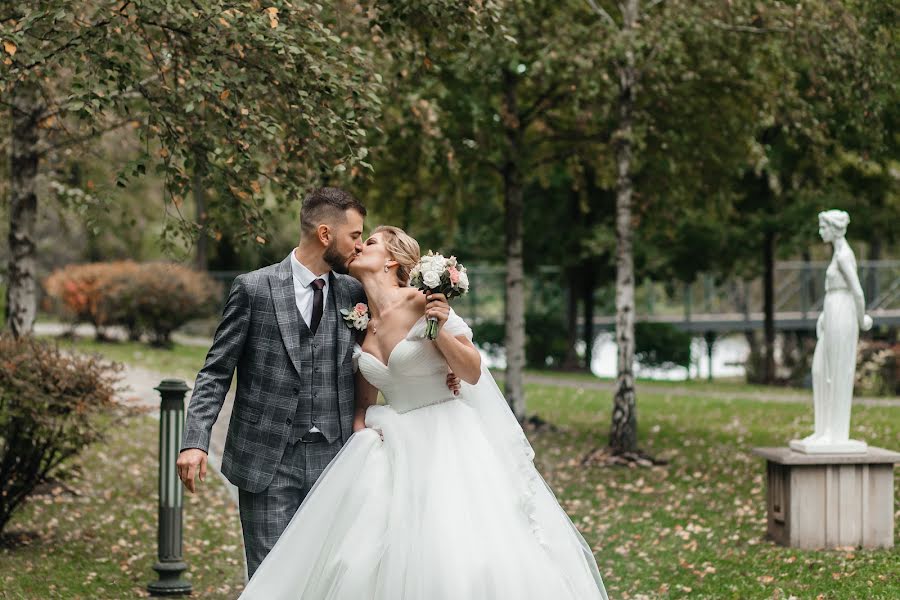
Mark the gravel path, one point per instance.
(136, 389)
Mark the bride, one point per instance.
(435, 495)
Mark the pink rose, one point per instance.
(454, 275)
(361, 308)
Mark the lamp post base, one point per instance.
(170, 582)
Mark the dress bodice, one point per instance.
(415, 374)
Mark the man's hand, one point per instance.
(453, 383)
(191, 462)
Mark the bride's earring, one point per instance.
(386, 268)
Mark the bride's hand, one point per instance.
(437, 307)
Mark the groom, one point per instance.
(293, 409)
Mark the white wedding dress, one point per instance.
(445, 504)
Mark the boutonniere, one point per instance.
(356, 317)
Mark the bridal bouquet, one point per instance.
(434, 273)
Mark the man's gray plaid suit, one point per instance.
(287, 381)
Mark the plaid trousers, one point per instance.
(266, 514)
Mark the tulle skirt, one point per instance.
(426, 510)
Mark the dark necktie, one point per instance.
(318, 300)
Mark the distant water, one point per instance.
(729, 354)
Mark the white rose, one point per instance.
(429, 263)
(432, 278)
(361, 322)
(463, 280)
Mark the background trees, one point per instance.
(706, 133)
(237, 98)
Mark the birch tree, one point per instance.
(680, 92)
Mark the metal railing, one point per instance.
(707, 302)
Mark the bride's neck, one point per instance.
(381, 292)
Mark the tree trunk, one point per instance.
(515, 296)
(201, 257)
(769, 305)
(623, 433)
(515, 291)
(21, 290)
(570, 362)
(588, 284)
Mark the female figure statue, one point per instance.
(834, 362)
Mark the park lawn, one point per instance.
(695, 528)
(180, 361)
(184, 361)
(691, 529)
(730, 385)
(100, 542)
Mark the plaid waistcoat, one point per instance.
(317, 402)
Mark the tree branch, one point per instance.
(86, 30)
(127, 93)
(748, 28)
(548, 99)
(603, 14)
(74, 141)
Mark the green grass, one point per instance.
(728, 385)
(691, 529)
(695, 528)
(179, 360)
(100, 542)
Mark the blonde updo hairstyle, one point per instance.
(402, 247)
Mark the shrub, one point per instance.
(49, 404)
(489, 336)
(152, 298)
(77, 293)
(546, 342)
(545, 338)
(661, 345)
(877, 368)
(161, 297)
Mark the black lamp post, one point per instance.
(171, 493)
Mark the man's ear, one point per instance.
(324, 233)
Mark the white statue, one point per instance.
(834, 362)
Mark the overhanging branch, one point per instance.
(603, 14)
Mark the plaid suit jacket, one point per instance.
(259, 336)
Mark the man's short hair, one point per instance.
(326, 205)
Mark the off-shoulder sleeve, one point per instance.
(456, 326)
(357, 351)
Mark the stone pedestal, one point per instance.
(848, 447)
(819, 501)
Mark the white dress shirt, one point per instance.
(303, 294)
(303, 289)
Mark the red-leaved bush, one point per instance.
(146, 298)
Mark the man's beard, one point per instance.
(337, 262)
